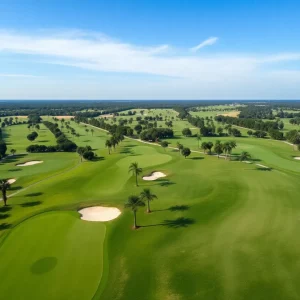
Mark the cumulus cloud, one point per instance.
(210, 41)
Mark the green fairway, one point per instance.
(219, 229)
(66, 265)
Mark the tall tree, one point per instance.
(134, 202)
(179, 147)
(186, 152)
(146, 195)
(227, 148)
(164, 144)
(108, 145)
(135, 170)
(209, 146)
(204, 146)
(245, 156)
(198, 137)
(13, 151)
(4, 186)
(218, 148)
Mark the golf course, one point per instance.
(220, 226)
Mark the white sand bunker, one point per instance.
(30, 163)
(154, 176)
(262, 166)
(11, 181)
(297, 158)
(99, 213)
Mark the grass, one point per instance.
(218, 230)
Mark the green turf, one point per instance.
(219, 229)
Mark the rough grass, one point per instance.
(218, 230)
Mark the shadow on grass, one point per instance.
(34, 194)
(173, 208)
(10, 159)
(255, 159)
(181, 222)
(15, 188)
(165, 182)
(4, 216)
(14, 170)
(4, 209)
(263, 169)
(197, 158)
(4, 226)
(179, 208)
(98, 158)
(30, 204)
(86, 141)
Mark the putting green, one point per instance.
(145, 156)
(54, 256)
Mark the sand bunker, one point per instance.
(154, 176)
(262, 166)
(298, 157)
(99, 213)
(11, 181)
(64, 117)
(30, 163)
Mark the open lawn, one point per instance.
(219, 229)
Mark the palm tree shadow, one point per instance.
(34, 194)
(5, 209)
(165, 182)
(30, 204)
(4, 216)
(15, 188)
(180, 222)
(179, 208)
(4, 226)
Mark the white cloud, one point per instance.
(186, 75)
(210, 41)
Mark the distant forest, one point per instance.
(89, 108)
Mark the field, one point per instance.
(219, 229)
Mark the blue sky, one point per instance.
(155, 49)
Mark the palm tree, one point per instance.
(218, 148)
(233, 146)
(13, 151)
(227, 148)
(198, 139)
(204, 146)
(134, 168)
(4, 186)
(245, 156)
(209, 146)
(134, 202)
(108, 145)
(179, 147)
(148, 196)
